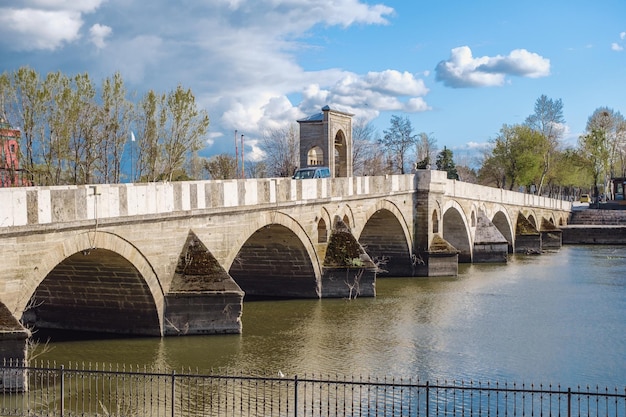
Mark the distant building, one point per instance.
(326, 140)
(10, 173)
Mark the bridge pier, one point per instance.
(13, 348)
(489, 244)
(203, 297)
(442, 259)
(527, 238)
(551, 236)
(348, 271)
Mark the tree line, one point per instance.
(73, 132)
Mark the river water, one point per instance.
(556, 318)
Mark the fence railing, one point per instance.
(94, 390)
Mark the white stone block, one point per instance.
(231, 198)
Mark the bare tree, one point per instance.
(426, 150)
(282, 150)
(368, 157)
(398, 141)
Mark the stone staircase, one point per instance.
(598, 217)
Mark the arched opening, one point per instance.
(95, 291)
(435, 221)
(341, 155)
(532, 220)
(346, 220)
(502, 224)
(322, 232)
(315, 156)
(473, 221)
(455, 233)
(384, 241)
(273, 263)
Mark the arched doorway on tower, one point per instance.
(341, 155)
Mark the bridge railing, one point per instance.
(92, 391)
(62, 204)
(23, 206)
(481, 193)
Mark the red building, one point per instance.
(10, 173)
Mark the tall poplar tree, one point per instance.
(549, 121)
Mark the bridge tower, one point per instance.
(326, 139)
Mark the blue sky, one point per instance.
(458, 70)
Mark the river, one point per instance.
(555, 318)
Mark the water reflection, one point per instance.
(554, 318)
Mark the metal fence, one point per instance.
(93, 390)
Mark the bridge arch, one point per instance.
(386, 238)
(277, 259)
(456, 230)
(502, 220)
(94, 281)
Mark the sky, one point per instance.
(458, 70)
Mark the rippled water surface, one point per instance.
(555, 318)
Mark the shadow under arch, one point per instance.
(456, 230)
(277, 260)
(95, 281)
(504, 224)
(386, 238)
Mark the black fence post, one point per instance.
(173, 393)
(295, 396)
(569, 402)
(427, 399)
(62, 390)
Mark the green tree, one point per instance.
(150, 120)
(445, 162)
(613, 125)
(517, 152)
(185, 130)
(221, 167)
(397, 141)
(595, 151)
(116, 113)
(28, 98)
(549, 121)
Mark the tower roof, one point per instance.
(318, 117)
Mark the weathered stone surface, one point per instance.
(203, 298)
(551, 236)
(490, 246)
(348, 270)
(443, 258)
(264, 233)
(527, 237)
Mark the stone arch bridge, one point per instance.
(177, 258)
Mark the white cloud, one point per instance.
(619, 46)
(43, 24)
(31, 29)
(240, 57)
(98, 33)
(464, 70)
